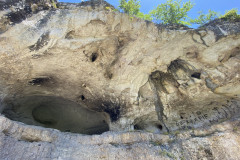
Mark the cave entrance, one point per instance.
(57, 113)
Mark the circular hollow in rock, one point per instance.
(58, 113)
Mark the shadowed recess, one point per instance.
(57, 113)
(196, 75)
(94, 57)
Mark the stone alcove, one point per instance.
(56, 112)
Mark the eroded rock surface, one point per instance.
(128, 74)
(20, 141)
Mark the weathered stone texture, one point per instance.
(138, 75)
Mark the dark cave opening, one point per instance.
(137, 127)
(196, 75)
(39, 80)
(57, 113)
(94, 57)
(155, 126)
(82, 97)
(160, 126)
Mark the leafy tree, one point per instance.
(132, 7)
(231, 15)
(172, 12)
(205, 18)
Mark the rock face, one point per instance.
(85, 69)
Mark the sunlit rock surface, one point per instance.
(162, 91)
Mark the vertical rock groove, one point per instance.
(157, 102)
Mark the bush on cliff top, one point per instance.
(205, 18)
(172, 12)
(132, 7)
(231, 15)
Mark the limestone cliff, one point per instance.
(151, 91)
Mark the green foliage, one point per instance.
(131, 7)
(172, 12)
(110, 9)
(231, 15)
(144, 16)
(205, 18)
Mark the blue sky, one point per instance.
(200, 5)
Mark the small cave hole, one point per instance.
(182, 115)
(159, 126)
(196, 75)
(82, 97)
(39, 80)
(94, 57)
(137, 127)
(57, 113)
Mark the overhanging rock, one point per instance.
(84, 68)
